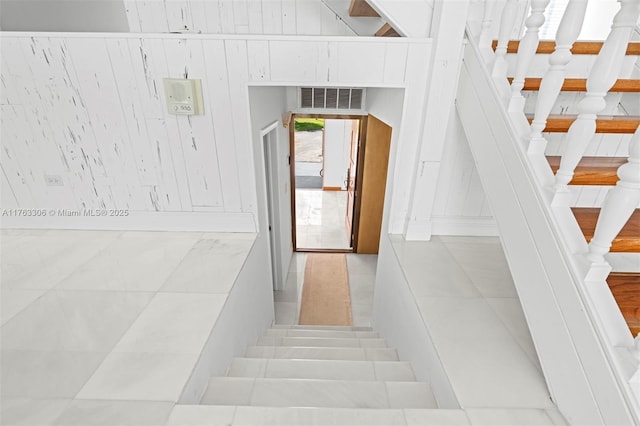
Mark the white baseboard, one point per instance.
(139, 221)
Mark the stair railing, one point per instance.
(506, 27)
(526, 52)
(601, 79)
(619, 204)
(622, 199)
(551, 84)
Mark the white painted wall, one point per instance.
(246, 314)
(337, 144)
(286, 17)
(100, 123)
(395, 314)
(460, 205)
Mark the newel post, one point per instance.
(601, 78)
(551, 84)
(526, 51)
(619, 204)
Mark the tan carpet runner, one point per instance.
(325, 293)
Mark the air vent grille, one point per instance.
(331, 98)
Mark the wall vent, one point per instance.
(331, 98)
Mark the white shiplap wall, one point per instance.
(90, 109)
(284, 17)
(460, 205)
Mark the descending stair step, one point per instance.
(625, 288)
(580, 85)
(354, 354)
(321, 327)
(617, 124)
(322, 369)
(317, 393)
(592, 170)
(322, 342)
(579, 47)
(628, 240)
(290, 416)
(294, 332)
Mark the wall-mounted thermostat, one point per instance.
(184, 96)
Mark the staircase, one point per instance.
(598, 171)
(321, 367)
(562, 173)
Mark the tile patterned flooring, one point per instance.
(320, 219)
(64, 364)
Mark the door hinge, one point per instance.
(289, 159)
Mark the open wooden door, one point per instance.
(351, 181)
(371, 182)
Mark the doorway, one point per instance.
(339, 181)
(269, 148)
(322, 147)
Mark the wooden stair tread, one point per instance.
(580, 85)
(625, 287)
(628, 240)
(360, 8)
(387, 31)
(592, 170)
(579, 47)
(618, 124)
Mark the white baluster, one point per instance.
(619, 204)
(602, 77)
(551, 84)
(507, 21)
(487, 22)
(526, 51)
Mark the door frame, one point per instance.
(292, 165)
(269, 142)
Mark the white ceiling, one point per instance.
(63, 15)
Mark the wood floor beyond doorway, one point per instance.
(325, 295)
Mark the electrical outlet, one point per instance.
(53, 180)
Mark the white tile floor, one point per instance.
(64, 364)
(89, 330)
(320, 219)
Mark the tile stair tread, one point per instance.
(295, 416)
(322, 342)
(321, 327)
(336, 353)
(322, 369)
(318, 393)
(292, 332)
